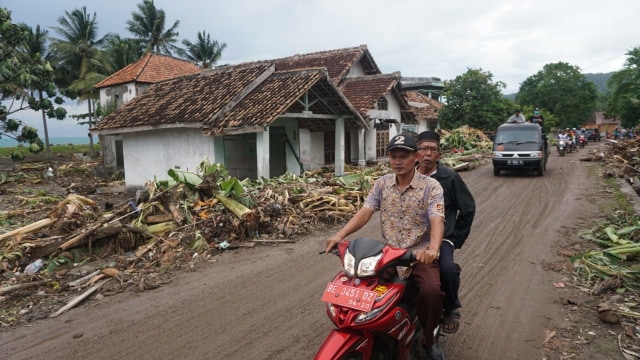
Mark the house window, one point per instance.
(382, 139)
(382, 104)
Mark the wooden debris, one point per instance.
(79, 299)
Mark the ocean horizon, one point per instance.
(80, 140)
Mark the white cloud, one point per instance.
(418, 38)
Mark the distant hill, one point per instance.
(599, 79)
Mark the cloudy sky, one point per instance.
(511, 39)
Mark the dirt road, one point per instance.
(263, 303)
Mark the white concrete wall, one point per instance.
(153, 153)
(305, 147)
(355, 71)
(316, 150)
(124, 95)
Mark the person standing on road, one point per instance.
(411, 217)
(537, 118)
(460, 209)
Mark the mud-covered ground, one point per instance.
(520, 298)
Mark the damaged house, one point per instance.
(261, 119)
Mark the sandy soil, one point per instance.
(264, 302)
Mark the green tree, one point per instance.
(148, 25)
(19, 74)
(624, 102)
(561, 89)
(33, 51)
(118, 53)
(77, 54)
(474, 99)
(205, 52)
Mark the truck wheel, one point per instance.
(496, 172)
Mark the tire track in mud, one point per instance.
(508, 297)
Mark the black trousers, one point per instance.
(449, 277)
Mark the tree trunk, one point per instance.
(91, 151)
(46, 131)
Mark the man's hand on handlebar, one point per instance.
(331, 242)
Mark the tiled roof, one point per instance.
(364, 91)
(188, 99)
(338, 62)
(150, 68)
(279, 94)
(423, 106)
(602, 120)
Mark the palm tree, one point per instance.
(33, 51)
(148, 25)
(77, 56)
(119, 53)
(205, 53)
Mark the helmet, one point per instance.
(567, 129)
(573, 129)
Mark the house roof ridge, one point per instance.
(359, 48)
(234, 67)
(393, 75)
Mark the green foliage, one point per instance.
(24, 70)
(148, 25)
(205, 52)
(57, 262)
(562, 90)
(474, 99)
(624, 102)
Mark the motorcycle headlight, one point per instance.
(367, 267)
(349, 263)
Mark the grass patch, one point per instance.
(55, 149)
(620, 200)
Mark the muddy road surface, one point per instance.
(264, 302)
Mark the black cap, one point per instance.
(402, 141)
(517, 110)
(429, 136)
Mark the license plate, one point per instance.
(515, 162)
(349, 296)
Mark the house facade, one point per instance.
(262, 119)
(121, 87)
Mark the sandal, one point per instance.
(451, 322)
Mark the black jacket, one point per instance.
(459, 205)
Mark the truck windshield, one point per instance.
(517, 137)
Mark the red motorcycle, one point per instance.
(582, 141)
(374, 316)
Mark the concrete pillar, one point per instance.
(339, 150)
(370, 142)
(360, 147)
(262, 154)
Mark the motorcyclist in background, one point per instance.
(572, 137)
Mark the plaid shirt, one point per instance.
(405, 215)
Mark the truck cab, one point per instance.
(520, 146)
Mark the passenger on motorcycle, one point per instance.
(460, 209)
(407, 223)
(563, 136)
